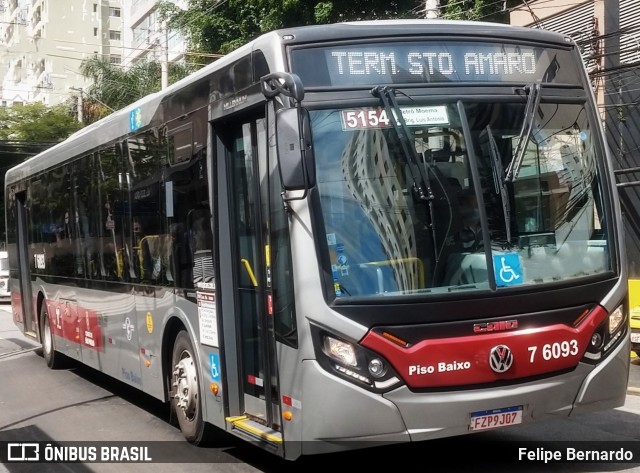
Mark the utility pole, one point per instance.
(164, 55)
(80, 103)
(80, 107)
(432, 9)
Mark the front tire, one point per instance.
(185, 396)
(53, 359)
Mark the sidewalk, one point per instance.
(12, 341)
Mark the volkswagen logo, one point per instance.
(500, 358)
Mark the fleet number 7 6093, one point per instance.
(554, 351)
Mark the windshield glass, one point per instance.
(401, 222)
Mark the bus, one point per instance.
(339, 236)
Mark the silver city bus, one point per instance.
(383, 231)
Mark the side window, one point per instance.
(60, 254)
(42, 231)
(188, 246)
(151, 241)
(114, 213)
(180, 143)
(85, 250)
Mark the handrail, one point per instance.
(412, 259)
(247, 266)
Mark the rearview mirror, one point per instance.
(295, 153)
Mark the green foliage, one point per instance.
(114, 87)
(36, 122)
(477, 10)
(220, 26)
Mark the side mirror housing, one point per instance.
(295, 152)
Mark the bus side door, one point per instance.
(241, 163)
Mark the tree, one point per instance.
(221, 26)
(478, 10)
(35, 122)
(114, 87)
(26, 130)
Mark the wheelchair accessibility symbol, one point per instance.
(507, 269)
(214, 362)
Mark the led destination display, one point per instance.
(375, 64)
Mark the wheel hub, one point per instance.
(185, 383)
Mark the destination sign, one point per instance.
(432, 62)
(377, 63)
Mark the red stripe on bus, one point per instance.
(459, 361)
(76, 324)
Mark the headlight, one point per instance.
(607, 335)
(616, 319)
(341, 351)
(353, 362)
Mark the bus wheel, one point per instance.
(53, 358)
(185, 392)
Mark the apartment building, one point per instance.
(146, 37)
(43, 42)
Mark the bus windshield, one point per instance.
(444, 218)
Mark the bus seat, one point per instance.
(149, 257)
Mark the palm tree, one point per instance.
(114, 87)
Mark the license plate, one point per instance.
(635, 337)
(494, 418)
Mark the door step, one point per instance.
(255, 430)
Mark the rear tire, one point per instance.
(53, 359)
(186, 402)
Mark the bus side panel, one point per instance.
(120, 358)
(344, 419)
(153, 311)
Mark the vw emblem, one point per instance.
(500, 358)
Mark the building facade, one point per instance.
(146, 36)
(43, 43)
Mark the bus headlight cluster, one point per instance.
(342, 351)
(616, 319)
(607, 335)
(353, 362)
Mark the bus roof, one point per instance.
(419, 27)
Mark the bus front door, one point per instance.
(248, 311)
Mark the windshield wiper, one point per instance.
(533, 101)
(388, 97)
(499, 184)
